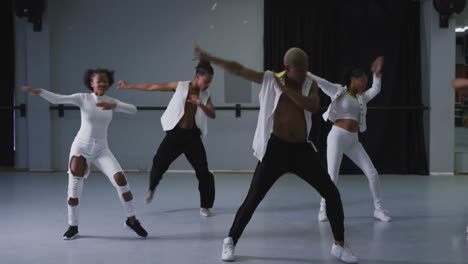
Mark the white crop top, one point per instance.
(347, 107)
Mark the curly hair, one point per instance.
(90, 73)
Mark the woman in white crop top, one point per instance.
(90, 145)
(347, 111)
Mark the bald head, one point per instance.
(295, 57)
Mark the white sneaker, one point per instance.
(228, 249)
(322, 216)
(343, 253)
(149, 196)
(205, 212)
(382, 215)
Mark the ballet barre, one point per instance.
(236, 108)
(239, 108)
(21, 108)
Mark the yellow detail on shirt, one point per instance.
(283, 73)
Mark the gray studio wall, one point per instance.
(144, 41)
(437, 71)
(148, 41)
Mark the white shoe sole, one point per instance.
(345, 261)
(129, 228)
(71, 238)
(148, 201)
(322, 219)
(228, 259)
(209, 214)
(386, 220)
(206, 215)
(348, 261)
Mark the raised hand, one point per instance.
(30, 90)
(377, 65)
(106, 105)
(122, 85)
(199, 53)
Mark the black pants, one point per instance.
(298, 158)
(188, 142)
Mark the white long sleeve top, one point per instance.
(94, 120)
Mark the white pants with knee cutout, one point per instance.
(98, 153)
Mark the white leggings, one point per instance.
(341, 141)
(99, 154)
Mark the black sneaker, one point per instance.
(137, 228)
(71, 233)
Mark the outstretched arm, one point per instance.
(230, 66)
(149, 87)
(330, 89)
(74, 99)
(310, 103)
(460, 84)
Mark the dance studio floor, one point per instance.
(430, 219)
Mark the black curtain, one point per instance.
(7, 91)
(338, 34)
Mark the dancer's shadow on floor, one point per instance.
(179, 210)
(158, 212)
(233, 210)
(120, 238)
(282, 260)
(291, 260)
(205, 237)
(252, 234)
(426, 217)
(380, 261)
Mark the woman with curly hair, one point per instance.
(90, 144)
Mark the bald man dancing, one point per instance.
(281, 144)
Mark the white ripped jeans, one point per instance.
(98, 153)
(341, 141)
